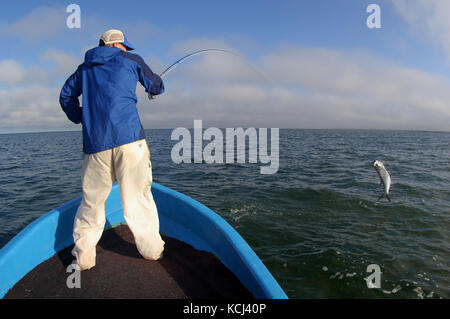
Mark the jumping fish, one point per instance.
(385, 178)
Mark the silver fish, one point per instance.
(385, 178)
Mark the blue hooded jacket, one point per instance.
(107, 82)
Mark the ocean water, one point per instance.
(316, 224)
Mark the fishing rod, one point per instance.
(179, 61)
(175, 64)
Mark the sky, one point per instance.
(310, 64)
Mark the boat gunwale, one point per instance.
(236, 254)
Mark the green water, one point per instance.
(316, 224)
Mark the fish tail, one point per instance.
(385, 195)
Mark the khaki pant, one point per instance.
(130, 165)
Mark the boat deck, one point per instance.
(121, 272)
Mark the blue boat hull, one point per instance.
(180, 216)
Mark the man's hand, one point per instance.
(151, 97)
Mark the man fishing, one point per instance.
(114, 145)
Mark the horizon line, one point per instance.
(286, 128)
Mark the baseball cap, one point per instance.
(113, 36)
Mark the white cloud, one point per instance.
(63, 64)
(310, 88)
(41, 23)
(359, 76)
(14, 73)
(315, 88)
(34, 106)
(428, 19)
(193, 44)
(29, 99)
(11, 72)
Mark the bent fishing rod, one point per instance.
(176, 63)
(179, 61)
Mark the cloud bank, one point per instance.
(42, 23)
(289, 87)
(428, 19)
(308, 88)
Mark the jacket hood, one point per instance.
(100, 55)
